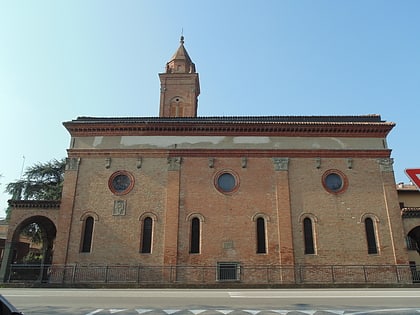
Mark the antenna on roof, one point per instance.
(23, 166)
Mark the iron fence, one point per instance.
(208, 275)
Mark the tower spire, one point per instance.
(180, 86)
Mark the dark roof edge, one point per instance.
(34, 203)
(410, 212)
(373, 118)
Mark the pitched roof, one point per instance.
(360, 119)
(181, 53)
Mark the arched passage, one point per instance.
(413, 239)
(40, 227)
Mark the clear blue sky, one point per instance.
(63, 59)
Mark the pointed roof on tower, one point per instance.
(180, 57)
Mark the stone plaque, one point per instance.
(120, 207)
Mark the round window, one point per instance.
(226, 182)
(121, 182)
(334, 181)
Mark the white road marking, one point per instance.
(23, 295)
(383, 310)
(314, 295)
(142, 310)
(196, 312)
(255, 312)
(169, 312)
(113, 310)
(224, 311)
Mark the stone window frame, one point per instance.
(371, 233)
(86, 241)
(119, 173)
(195, 241)
(261, 240)
(147, 248)
(235, 176)
(314, 221)
(344, 179)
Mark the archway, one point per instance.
(30, 262)
(413, 238)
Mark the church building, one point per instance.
(252, 199)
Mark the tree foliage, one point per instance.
(42, 181)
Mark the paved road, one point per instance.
(215, 302)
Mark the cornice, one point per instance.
(135, 153)
(34, 203)
(249, 126)
(410, 212)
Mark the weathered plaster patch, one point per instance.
(163, 142)
(97, 141)
(255, 140)
(341, 143)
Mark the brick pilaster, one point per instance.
(172, 212)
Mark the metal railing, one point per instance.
(208, 275)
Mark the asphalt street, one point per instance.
(215, 302)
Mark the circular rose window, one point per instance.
(121, 182)
(226, 182)
(334, 181)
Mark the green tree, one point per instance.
(42, 181)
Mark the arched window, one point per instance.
(177, 107)
(195, 236)
(146, 241)
(261, 244)
(370, 236)
(308, 235)
(87, 235)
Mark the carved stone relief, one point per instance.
(174, 163)
(281, 164)
(72, 164)
(120, 207)
(385, 164)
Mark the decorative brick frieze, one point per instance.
(128, 153)
(198, 126)
(44, 204)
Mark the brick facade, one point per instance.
(280, 165)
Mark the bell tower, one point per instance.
(179, 86)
